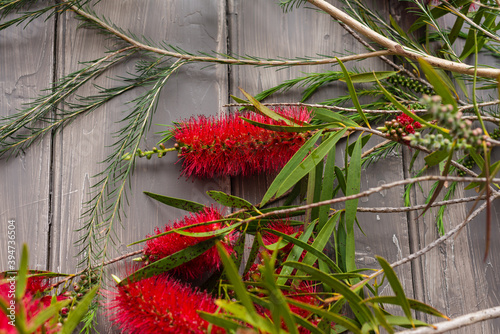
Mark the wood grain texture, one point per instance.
(26, 64)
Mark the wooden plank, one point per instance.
(25, 64)
(192, 25)
(456, 280)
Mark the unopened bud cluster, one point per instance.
(459, 129)
(415, 85)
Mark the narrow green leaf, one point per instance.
(332, 117)
(361, 311)
(370, 76)
(436, 157)
(327, 187)
(265, 110)
(440, 86)
(322, 239)
(404, 322)
(341, 179)
(396, 287)
(213, 233)
(177, 202)
(351, 206)
(296, 251)
(76, 315)
(45, 314)
(289, 167)
(333, 317)
(235, 279)
(240, 312)
(310, 162)
(318, 253)
(230, 200)
(285, 128)
(22, 274)
(352, 91)
(170, 262)
(414, 304)
(440, 184)
(279, 305)
(220, 320)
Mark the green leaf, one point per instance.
(230, 200)
(170, 262)
(333, 317)
(440, 86)
(322, 239)
(265, 110)
(310, 162)
(22, 274)
(318, 253)
(76, 315)
(352, 91)
(327, 187)
(289, 167)
(414, 304)
(396, 287)
(436, 157)
(45, 314)
(330, 116)
(361, 311)
(238, 286)
(351, 206)
(370, 76)
(279, 306)
(341, 179)
(297, 250)
(177, 202)
(404, 322)
(220, 320)
(214, 233)
(240, 312)
(285, 128)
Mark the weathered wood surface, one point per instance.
(44, 188)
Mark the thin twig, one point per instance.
(371, 191)
(228, 60)
(456, 323)
(424, 250)
(398, 49)
(421, 206)
(55, 285)
(383, 58)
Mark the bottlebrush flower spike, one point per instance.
(228, 145)
(33, 301)
(169, 244)
(160, 305)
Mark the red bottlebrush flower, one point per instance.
(169, 244)
(231, 146)
(33, 301)
(160, 305)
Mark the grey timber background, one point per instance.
(43, 188)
